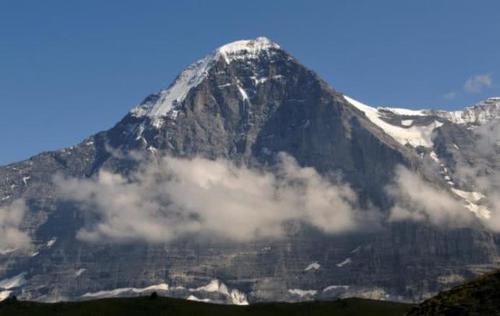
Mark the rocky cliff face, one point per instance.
(247, 102)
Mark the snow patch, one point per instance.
(243, 93)
(302, 293)
(404, 112)
(13, 282)
(344, 263)
(336, 287)
(471, 199)
(216, 286)
(51, 242)
(194, 298)
(4, 295)
(450, 279)
(407, 123)
(434, 156)
(238, 298)
(414, 135)
(171, 98)
(356, 249)
(470, 196)
(246, 49)
(313, 266)
(257, 81)
(120, 291)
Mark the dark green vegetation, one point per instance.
(177, 307)
(478, 297)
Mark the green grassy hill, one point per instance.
(168, 306)
(479, 297)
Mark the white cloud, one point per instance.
(483, 175)
(173, 197)
(477, 83)
(11, 236)
(418, 200)
(450, 95)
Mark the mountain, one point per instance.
(245, 104)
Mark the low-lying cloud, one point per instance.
(172, 197)
(11, 236)
(482, 173)
(417, 200)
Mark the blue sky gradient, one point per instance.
(71, 68)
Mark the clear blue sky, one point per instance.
(71, 68)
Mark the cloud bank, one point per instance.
(11, 236)
(173, 197)
(482, 174)
(417, 200)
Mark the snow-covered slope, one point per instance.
(405, 133)
(415, 127)
(477, 114)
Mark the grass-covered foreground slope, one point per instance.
(168, 306)
(478, 297)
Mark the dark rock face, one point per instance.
(246, 109)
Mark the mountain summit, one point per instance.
(243, 50)
(255, 137)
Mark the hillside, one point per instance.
(169, 306)
(478, 297)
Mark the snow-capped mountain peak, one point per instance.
(477, 114)
(246, 49)
(166, 101)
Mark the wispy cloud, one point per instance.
(418, 200)
(173, 197)
(11, 236)
(482, 174)
(473, 85)
(450, 95)
(477, 83)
